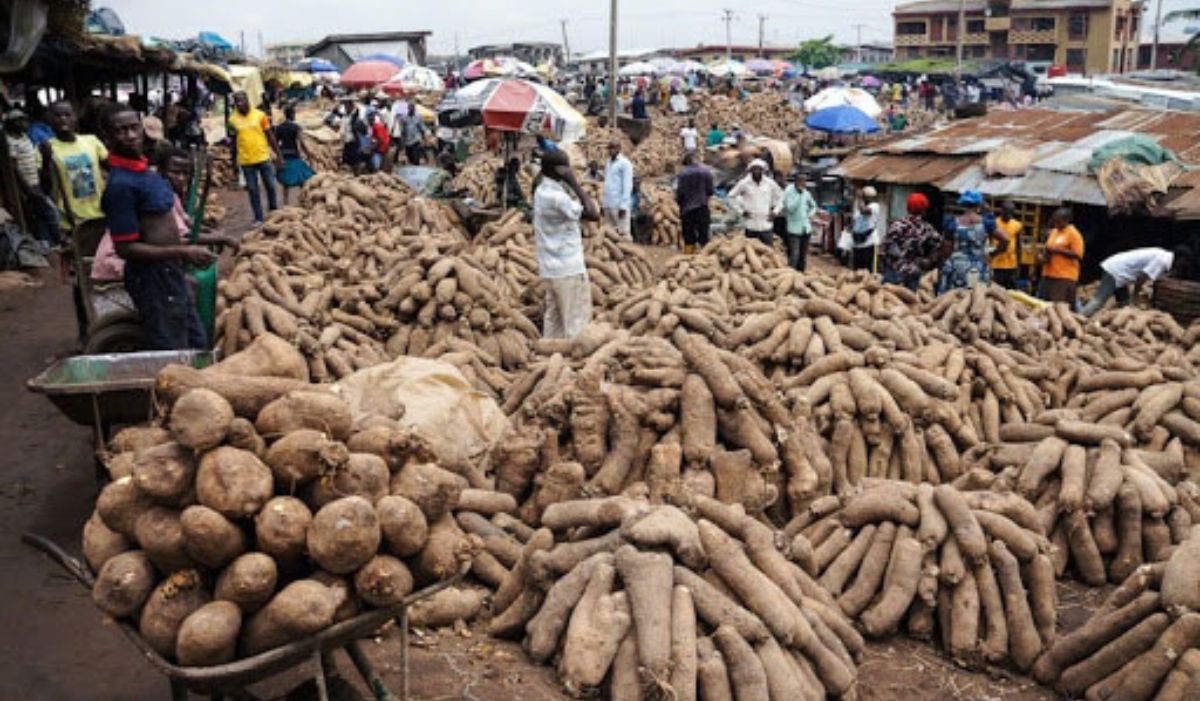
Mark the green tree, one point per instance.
(818, 53)
(1190, 14)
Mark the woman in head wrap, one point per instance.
(910, 248)
(968, 233)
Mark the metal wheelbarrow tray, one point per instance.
(101, 390)
(230, 679)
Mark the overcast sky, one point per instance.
(662, 23)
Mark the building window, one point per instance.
(1076, 58)
(1033, 24)
(910, 28)
(975, 26)
(1039, 52)
(1077, 26)
(978, 51)
(1119, 27)
(998, 10)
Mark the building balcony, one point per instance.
(997, 24)
(911, 40)
(1029, 36)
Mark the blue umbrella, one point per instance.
(842, 119)
(316, 65)
(399, 62)
(214, 39)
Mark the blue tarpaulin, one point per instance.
(214, 39)
(842, 119)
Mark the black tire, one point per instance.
(121, 337)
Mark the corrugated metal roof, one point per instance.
(1041, 186)
(950, 157)
(901, 170)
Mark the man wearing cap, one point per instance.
(43, 218)
(867, 231)
(757, 199)
(617, 198)
(910, 247)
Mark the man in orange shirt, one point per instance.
(1004, 259)
(1064, 253)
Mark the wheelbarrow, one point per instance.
(230, 680)
(103, 391)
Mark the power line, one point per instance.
(728, 18)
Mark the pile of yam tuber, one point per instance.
(969, 568)
(259, 512)
(1142, 644)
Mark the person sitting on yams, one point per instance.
(138, 205)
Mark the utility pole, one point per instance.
(457, 63)
(858, 47)
(566, 44)
(1157, 24)
(958, 41)
(261, 51)
(728, 19)
(761, 21)
(612, 64)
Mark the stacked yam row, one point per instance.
(1106, 509)
(259, 513)
(659, 201)
(506, 248)
(354, 286)
(324, 156)
(639, 599)
(477, 179)
(661, 153)
(988, 313)
(1159, 413)
(972, 569)
(1142, 644)
(610, 410)
(761, 114)
(925, 415)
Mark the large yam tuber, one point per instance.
(648, 583)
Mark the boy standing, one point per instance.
(138, 204)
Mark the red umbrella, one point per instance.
(368, 74)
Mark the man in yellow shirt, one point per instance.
(254, 150)
(76, 179)
(1061, 260)
(1004, 260)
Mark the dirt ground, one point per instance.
(57, 647)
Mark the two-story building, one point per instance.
(1085, 36)
(287, 53)
(709, 53)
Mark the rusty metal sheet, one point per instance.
(911, 169)
(1041, 186)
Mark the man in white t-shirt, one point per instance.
(559, 245)
(690, 137)
(1132, 267)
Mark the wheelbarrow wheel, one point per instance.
(121, 337)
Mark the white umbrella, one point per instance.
(836, 97)
(638, 68)
(414, 79)
(689, 66)
(724, 69)
(662, 64)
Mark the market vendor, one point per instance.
(757, 198)
(559, 203)
(1133, 268)
(911, 245)
(1061, 259)
(1004, 257)
(138, 205)
(968, 235)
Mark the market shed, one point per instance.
(1042, 159)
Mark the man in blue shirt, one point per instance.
(693, 189)
(638, 107)
(618, 190)
(138, 205)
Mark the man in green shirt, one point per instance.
(716, 137)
